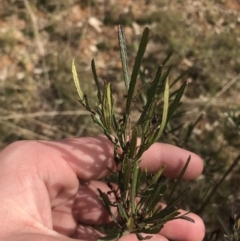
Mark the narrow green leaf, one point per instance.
(155, 229)
(176, 101)
(134, 186)
(136, 67)
(150, 190)
(76, 82)
(125, 175)
(179, 179)
(167, 58)
(191, 128)
(96, 80)
(107, 203)
(150, 138)
(107, 107)
(175, 129)
(140, 237)
(157, 176)
(150, 198)
(122, 212)
(153, 200)
(164, 215)
(123, 54)
(122, 133)
(159, 208)
(85, 102)
(172, 215)
(185, 217)
(178, 78)
(151, 94)
(165, 112)
(140, 92)
(146, 122)
(165, 75)
(140, 175)
(133, 142)
(156, 196)
(105, 199)
(179, 198)
(115, 124)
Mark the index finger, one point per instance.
(174, 158)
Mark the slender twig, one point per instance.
(24, 131)
(214, 189)
(44, 114)
(215, 101)
(223, 90)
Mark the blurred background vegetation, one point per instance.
(39, 39)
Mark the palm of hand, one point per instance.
(41, 193)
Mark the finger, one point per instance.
(180, 229)
(89, 157)
(174, 158)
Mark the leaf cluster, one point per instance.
(139, 193)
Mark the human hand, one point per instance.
(42, 199)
